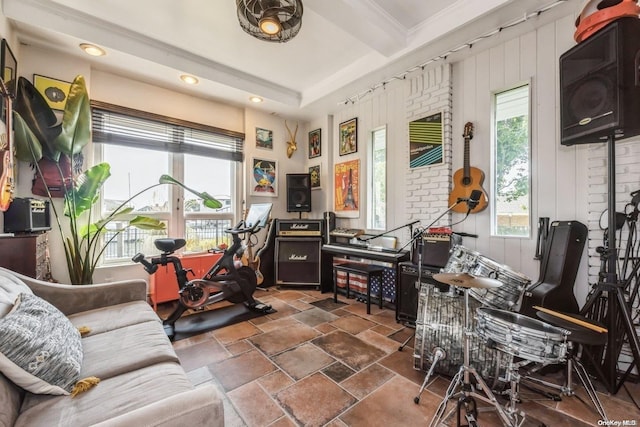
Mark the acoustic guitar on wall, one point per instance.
(467, 179)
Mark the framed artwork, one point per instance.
(9, 67)
(315, 143)
(347, 188)
(54, 91)
(348, 136)
(426, 141)
(264, 138)
(314, 171)
(264, 177)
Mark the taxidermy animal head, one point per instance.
(292, 145)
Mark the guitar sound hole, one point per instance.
(466, 181)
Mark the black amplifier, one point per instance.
(26, 215)
(435, 249)
(299, 227)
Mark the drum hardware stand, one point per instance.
(573, 365)
(616, 307)
(468, 393)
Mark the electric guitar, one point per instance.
(467, 179)
(7, 183)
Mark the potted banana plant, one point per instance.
(40, 137)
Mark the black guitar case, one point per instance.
(558, 269)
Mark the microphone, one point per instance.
(461, 234)
(474, 199)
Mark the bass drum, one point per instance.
(440, 323)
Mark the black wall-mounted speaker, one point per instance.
(298, 261)
(600, 85)
(298, 192)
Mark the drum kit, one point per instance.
(503, 344)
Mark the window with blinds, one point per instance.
(140, 147)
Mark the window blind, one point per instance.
(113, 124)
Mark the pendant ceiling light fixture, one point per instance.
(270, 20)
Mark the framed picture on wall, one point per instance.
(264, 138)
(347, 189)
(264, 177)
(314, 171)
(54, 91)
(426, 137)
(315, 143)
(348, 136)
(9, 67)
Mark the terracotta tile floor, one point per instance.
(334, 365)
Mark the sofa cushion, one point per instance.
(10, 401)
(112, 397)
(114, 317)
(126, 349)
(40, 350)
(10, 288)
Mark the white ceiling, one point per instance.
(342, 43)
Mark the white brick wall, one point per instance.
(428, 187)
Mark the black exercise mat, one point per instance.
(209, 320)
(328, 304)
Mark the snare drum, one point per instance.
(522, 336)
(506, 297)
(440, 323)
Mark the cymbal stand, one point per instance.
(469, 392)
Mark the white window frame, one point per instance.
(176, 216)
(493, 204)
(370, 179)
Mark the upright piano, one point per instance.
(389, 258)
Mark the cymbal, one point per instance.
(466, 280)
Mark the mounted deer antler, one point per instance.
(292, 145)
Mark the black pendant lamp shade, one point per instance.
(270, 20)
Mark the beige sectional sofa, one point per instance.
(141, 380)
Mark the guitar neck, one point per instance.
(466, 165)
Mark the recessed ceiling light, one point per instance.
(92, 49)
(256, 99)
(189, 79)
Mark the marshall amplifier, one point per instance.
(299, 227)
(298, 261)
(27, 215)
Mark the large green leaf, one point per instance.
(75, 129)
(28, 149)
(207, 199)
(39, 116)
(147, 223)
(86, 189)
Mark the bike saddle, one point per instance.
(169, 245)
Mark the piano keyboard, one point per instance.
(346, 232)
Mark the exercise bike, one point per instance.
(223, 281)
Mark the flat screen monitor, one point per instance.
(258, 215)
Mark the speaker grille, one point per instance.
(298, 261)
(599, 87)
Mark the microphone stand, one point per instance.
(410, 225)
